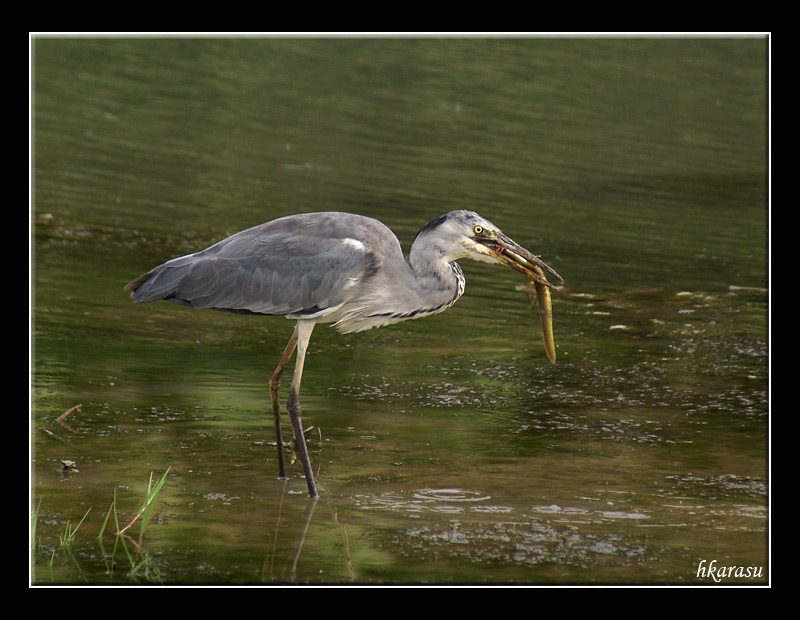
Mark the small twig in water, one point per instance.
(69, 411)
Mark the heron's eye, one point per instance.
(478, 230)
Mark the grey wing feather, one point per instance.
(263, 272)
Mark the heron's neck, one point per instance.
(439, 281)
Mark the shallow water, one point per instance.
(448, 450)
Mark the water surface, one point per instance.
(448, 450)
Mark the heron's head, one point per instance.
(465, 234)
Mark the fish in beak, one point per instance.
(508, 252)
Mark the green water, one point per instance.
(448, 450)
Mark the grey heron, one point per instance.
(339, 268)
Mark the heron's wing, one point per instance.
(265, 270)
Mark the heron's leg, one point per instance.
(303, 333)
(274, 384)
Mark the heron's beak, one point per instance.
(510, 253)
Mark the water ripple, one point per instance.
(447, 501)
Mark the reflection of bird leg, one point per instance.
(303, 335)
(274, 384)
(271, 556)
(290, 570)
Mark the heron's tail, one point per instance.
(153, 286)
(136, 284)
